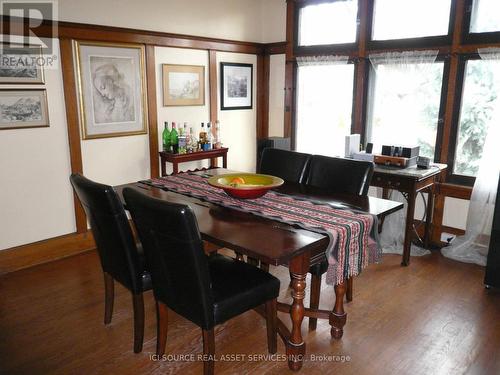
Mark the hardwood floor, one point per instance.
(434, 317)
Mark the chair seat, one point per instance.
(238, 287)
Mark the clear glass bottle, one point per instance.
(208, 143)
(218, 142)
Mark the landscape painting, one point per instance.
(112, 91)
(236, 86)
(23, 109)
(19, 65)
(183, 85)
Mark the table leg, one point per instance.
(338, 316)
(224, 160)
(428, 216)
(213, 163)
(175, 168)
(163, 168)
(295, 345)
(385, 195)
(410, 213)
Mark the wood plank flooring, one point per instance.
(434, 317)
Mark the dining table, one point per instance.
(275, 243)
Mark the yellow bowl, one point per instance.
(245, 185)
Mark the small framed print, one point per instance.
(20, 64)
(23, 108)
(236, 86)
(183, 85)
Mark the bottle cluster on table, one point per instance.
(178, 140)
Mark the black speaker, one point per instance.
(492, 276)
(272, 142)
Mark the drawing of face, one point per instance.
(107, 81)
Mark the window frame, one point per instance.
(293, 135)
(476, 38)
(453, 48)
(452, 177)
(442, 105)
(321, 49)
(409, 43)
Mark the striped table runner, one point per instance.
(353, 235)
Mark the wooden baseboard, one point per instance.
(29, 255)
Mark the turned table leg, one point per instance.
(338, 316)
(410, 213)
(295, 345)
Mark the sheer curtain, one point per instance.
(403, 76)
(473, 246)
(324, 104)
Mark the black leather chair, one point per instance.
(291, 166)
(207, 290)
(335, 175)
(121, 259)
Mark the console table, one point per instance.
(176, 159)
(409, 182)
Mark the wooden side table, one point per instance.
(176, 159)
(409, 182)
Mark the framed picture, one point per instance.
(183, 85)
(236, 82)
(23, 108)
(111, 89)
(18, 64)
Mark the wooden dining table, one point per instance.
(275, 243)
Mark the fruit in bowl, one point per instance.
(245, 185)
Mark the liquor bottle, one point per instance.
(182, 141)
(193, 142)
(166, 138)
(208, 143)
(218, 143)
(203, 137)
(174, 139)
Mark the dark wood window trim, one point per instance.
(458, 44)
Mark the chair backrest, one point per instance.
(339, 175)
(291, 166)
(174, 252)
(111, 229)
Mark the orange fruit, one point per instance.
(237, 181)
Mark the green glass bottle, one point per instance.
(166, 138)
(174, 139)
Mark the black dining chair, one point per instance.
(121, 258)
(335, 175)
(291, 166)
(207, 290)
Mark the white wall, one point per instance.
(254, 20)
(238, 130)
(36, 200)
(276, 95)
(193, 115)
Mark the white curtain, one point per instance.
(407, 68)
(324, 104)
(473, 246)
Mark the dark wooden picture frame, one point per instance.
(236, 86)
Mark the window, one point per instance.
(485, 16)
(480, 100)
(399, 19)
(328, 23)
(324, 108)
(405, 101)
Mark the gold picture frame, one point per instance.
(23, 108)
(183, 85)
(112, 91)
(25, 68)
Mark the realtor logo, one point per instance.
(32, 32)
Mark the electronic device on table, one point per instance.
(398, 156)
